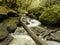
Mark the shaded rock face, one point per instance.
(51, 16)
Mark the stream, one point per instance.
(22, 38)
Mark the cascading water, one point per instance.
(20, 39)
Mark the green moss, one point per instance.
(5, 10)
(9, 24)
(51, 16)
(36, 11)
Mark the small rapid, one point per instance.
(27, 40)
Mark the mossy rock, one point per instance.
(51, 16)
(8, 26)
(11, 23)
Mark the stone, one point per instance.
(11, 23)
(51, 16)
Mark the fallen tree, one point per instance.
(38, 41)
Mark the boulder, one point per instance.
(51, 16)
(11, 23)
